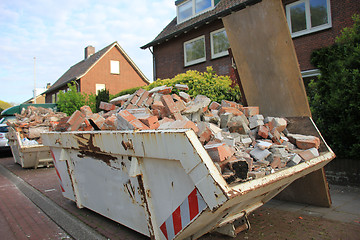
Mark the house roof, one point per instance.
(78, 70)
(223, 8)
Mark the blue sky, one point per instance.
(56, 33)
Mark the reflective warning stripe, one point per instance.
(189, 209)
(57, 172)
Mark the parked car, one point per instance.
(3, 139)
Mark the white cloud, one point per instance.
(56, 33)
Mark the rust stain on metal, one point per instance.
(87, 148)
(127, 145)
(130, 190)
(142, 193)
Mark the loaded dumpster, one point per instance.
(28, 155)
(162, 183)
(24, 134)
(165, 183)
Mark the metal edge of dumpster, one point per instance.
(28, 156)
(238, 200)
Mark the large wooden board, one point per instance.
(266, 60)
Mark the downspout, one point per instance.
(154, 65)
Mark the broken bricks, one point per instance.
(240, 141)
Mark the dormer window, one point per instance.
(189, 8)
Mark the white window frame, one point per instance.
(99, 87)
(193, 10)
(200, 60)
(308, 29)
(114, 67)
(217, 55)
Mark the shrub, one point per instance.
(207, 83)
(102, 96)
(335, 95)
(73, 100)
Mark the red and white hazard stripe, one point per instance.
(57, 172)
(189, 209)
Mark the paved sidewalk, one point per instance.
(275, 220)
(345, 206)
(22, 219)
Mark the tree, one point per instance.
(73, 100)
(335, 95)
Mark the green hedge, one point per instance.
(207, 83)
(335, 95)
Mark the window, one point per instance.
(114, 67)
(307, 16)
(194, 51)
(53, 98)
(99, 87)
(219, 43)
(190, 8)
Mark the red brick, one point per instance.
(140, 92)
(308, 143)
(226, 103)
(110, 122)
(138, 124)
(134, 99)
(275, 136)
(143, 98)
(263, 131)
(185, 97)
(165, 91)
(309, 154)
(176, 97)
(251, 111)
(152, 122)
(169, 104)
(75, 120)
(149, 101)
(98, 120)
(160, 109)
(276, 162)
(107, 106)
(126, 115)
(204, 133)
(214, 106)
(219, 152)
(180, 105)
(86, 110)
(131, 106)
(86, 126)
(234, 111)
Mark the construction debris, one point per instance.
(242, 143)
(31, 122)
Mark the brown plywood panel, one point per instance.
(266, 60)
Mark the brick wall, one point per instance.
(170, 55)
(341, 13)
(100, 74)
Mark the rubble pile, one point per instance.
(31, 122)
(241, 142)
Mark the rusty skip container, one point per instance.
(32, 156)
(164, 184)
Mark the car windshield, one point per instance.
(4, 129)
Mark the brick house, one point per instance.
(109, 68)
(196, 37)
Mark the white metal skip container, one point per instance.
(162, 184)
(28, 156)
